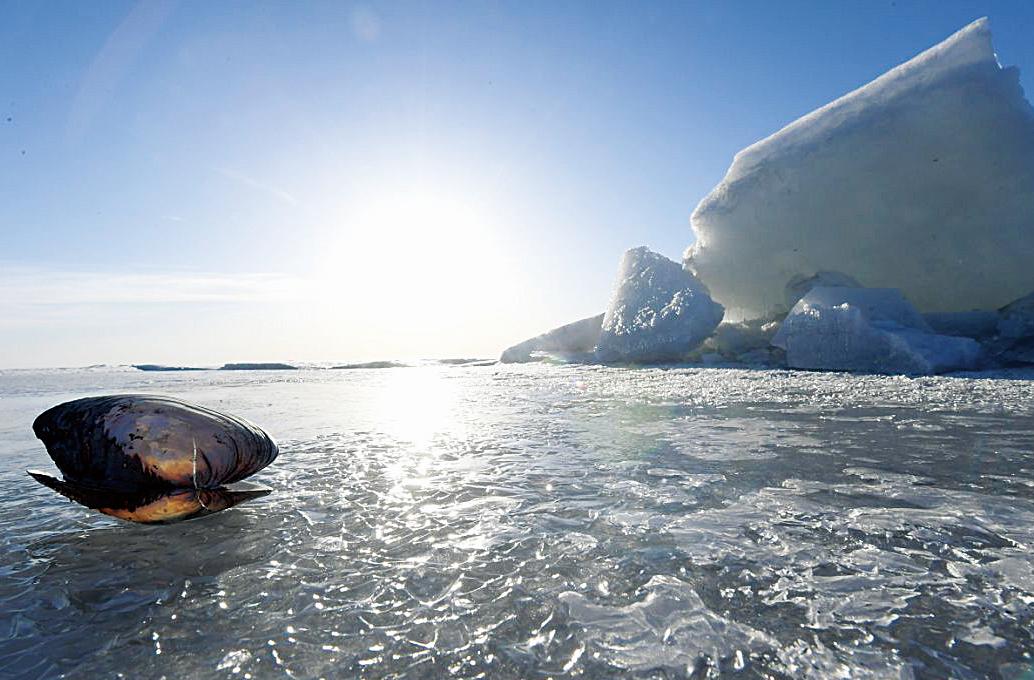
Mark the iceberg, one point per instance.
(571, 340)
(870, 330)
(659, 311)
(922, 180)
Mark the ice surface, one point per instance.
(670, 627)
(922, 180)
(872, 330)
(530, 521)
(658, 312)
(574, 338)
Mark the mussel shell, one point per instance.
(153, 506)
(134, 442)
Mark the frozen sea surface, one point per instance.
(537, 521)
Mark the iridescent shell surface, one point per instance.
(133, 442)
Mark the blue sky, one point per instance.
(202, 182)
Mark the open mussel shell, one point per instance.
(154, 506)
(131, 443)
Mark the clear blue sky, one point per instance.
(216, 181)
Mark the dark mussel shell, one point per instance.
(153, 506)
(135, 442)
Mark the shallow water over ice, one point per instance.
(535, 521)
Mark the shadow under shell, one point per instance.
(154, 506)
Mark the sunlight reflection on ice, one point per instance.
(416, 404)
(508, 522)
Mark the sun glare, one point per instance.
(413, 246)
(416, 405)
(421, 233)
(424, 263)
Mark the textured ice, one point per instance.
(872, 330)
(882, 305)
(578, 337)
(799, 285)
(745, 341)
(658, 312)
(533, 521)
(922, 180)
(670, 627)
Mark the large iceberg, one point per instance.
(922, 180)
(659, 311)
(872, 330)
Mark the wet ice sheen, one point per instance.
(534, 521)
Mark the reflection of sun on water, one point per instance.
(415, 407)
(416, 404)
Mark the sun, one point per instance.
(421, 229)
(424, 237)
(418, 257)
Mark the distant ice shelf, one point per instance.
(161, 367)
(371, 364)
(258, 367)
